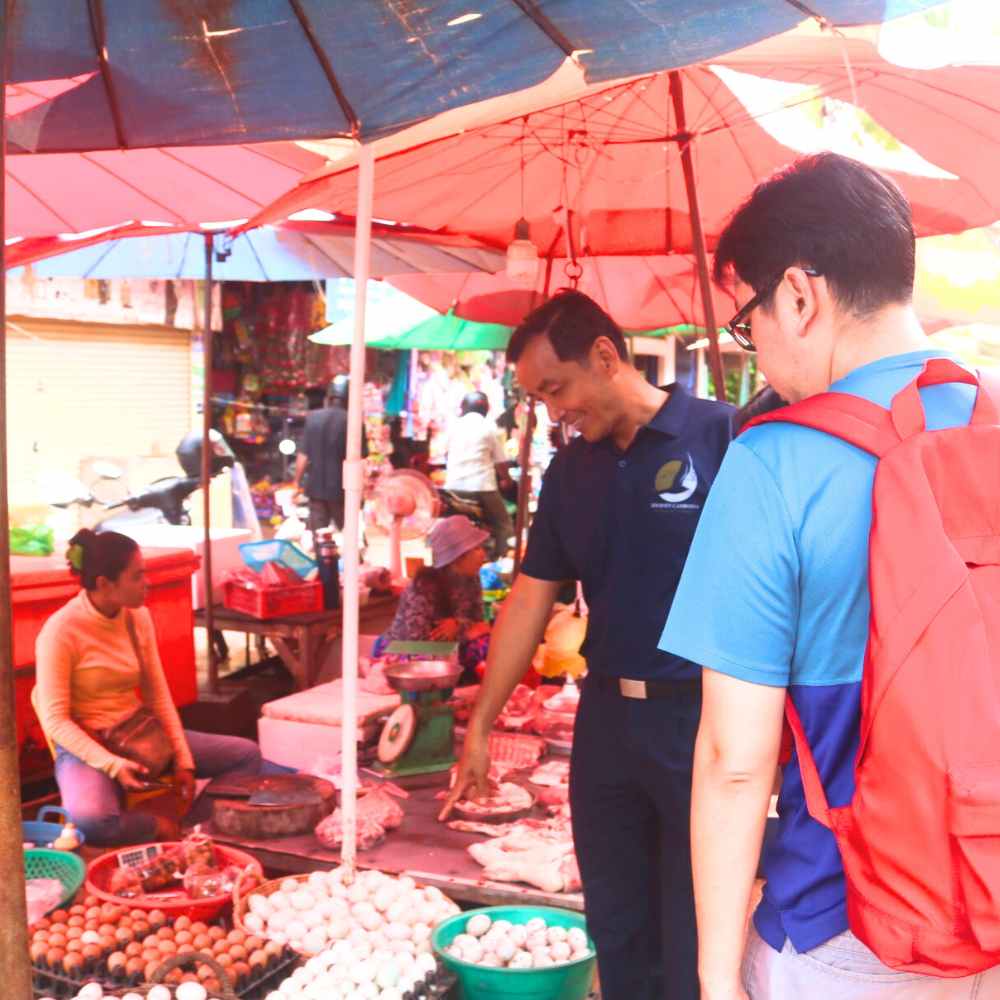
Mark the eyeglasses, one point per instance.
(739, 326)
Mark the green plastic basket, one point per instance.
(571, 981)
(62, 865)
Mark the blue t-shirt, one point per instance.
(775, 592)
(622, 523)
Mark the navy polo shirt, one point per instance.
(622, 524)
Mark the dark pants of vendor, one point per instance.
(630, 792)
(498, 521)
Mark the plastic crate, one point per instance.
(257, 554)
(62, 865)
(274, 602)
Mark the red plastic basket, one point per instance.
(272, 602)
(175, 903)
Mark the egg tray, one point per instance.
(250, 988)
(60, 984)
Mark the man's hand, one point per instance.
(476, 630)
(184, 779)
(133, 777)
(473, 772)
(446, 630)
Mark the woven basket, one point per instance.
(67, 868)
(241, 903)
(178, 962)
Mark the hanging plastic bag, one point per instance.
(32, 540)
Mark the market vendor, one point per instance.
(444, 601)
(97, 666)
(617, 511)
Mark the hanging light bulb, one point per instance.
(522, 257)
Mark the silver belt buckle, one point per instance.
(632, 689)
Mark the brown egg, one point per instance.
(39, 937)
(73, 964)
(204, 972)
(257, 958)
(54, 955)
(133, 948)
(189, 977)
(151, 968)
(183, 937)
(272, 948)
(237, 952)
(240, 970)
(157, 916)
(185, 949)
(134, 965)
(106, 928)
(91, 925)
(212, 985)
(167, 948)
(112, 912)
(140, 928)
(220, 948)
(43, 925)
(224, 960)
(57, 940)
(253, 942)
(123, 935)
(236, 936)
(182, 923)
(91, 901)
(174, 976)
(198, 928)
(165, 933)
(201, 942)
(77, 910)
(117, 960)
(151, 955)
(216, 933)
(75, 921)
(73, 932)
(108, 944)
(91, 952)
(93, 913)
(38, 951)
(58, 916)
(76, 945)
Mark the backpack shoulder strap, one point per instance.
(857, 421)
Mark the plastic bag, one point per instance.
(42, 894)
(32, 540)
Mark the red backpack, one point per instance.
(920, 838)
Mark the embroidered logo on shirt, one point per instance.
(676, 482)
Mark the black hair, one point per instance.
(832, 213)
(475, 402)
(572, 321)
(106, 554)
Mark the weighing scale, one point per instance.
(418, 738)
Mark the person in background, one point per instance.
(96, 663)
(321, 458)
(444, 601)
(774, 602)
(474, 452)
(618, 509)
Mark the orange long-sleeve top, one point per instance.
(89, 678)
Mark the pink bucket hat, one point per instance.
(452, 537)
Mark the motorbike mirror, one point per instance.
(286, 446)
(106, 470)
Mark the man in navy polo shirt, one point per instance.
(618, 510)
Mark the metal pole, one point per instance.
(206, 467)
(698, 235)
(524, 484)
(15, 968)
(353, 484)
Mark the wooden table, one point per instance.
(302, 641)
(421, 847)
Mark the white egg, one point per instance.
(136, 996)
(390, 994)
(536, 940)
(579, 954)
(427, 962)
(399, 932)
(478, 925)
(296, 930)
(361, 944)
(303, 900)
(420, 932)
(387, 973)
(260, 905)
(278, 900)
(577, 938)
(317, 881)
(490, 960)
(472, 952)
(455, 951)
(273, 995)
(366, 991)
(358, 892)
(540, 958)
(502, 926)
(278, 937)
(302, 976)
(554, 934)
(289, 885)
(253, 922)
(521, 960)
(92, 991)
(90, 937)
(407, 984)
(505, 949)
(315, 940)
(519, 935)
(158, 992)
(190, 991)
(463, 939)
(560, 951)
(397, 910)
(406, 883)
(535, 924)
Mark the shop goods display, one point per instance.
(280, 805)
(539, 852)
(361, 973)
(194, 877)
(378, 811)
(375, 912)
(508, 951)
(505, 802)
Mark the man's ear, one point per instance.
(803, 296)
(605, 354)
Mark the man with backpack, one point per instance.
(845, 573)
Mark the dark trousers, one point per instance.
(630, 791)
(497, 517)
(323, 513)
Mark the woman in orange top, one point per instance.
(90, 678)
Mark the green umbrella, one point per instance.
(449, 332)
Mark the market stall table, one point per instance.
(421, 847)
(303, 641)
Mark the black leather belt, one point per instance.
(643, 690)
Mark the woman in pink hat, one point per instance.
(444, 601)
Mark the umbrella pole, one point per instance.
(15, 971)
(206, 468)
(353, 484)
(698, 235)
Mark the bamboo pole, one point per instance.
(206, 467)
(15, 969)
(698, 235)
(353, 484)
